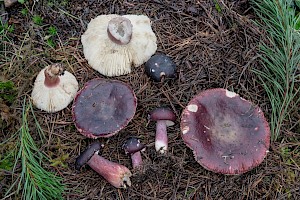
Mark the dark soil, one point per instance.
(211, 48)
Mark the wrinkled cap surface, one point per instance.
(103, 107)
(227, 133)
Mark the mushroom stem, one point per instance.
(116, 174)
(161, 137)
(119, 30)
(136, 159)
(52, 73)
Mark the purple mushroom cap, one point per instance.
(163, 113)
(227, 133)
(132, 145)
(103, 107)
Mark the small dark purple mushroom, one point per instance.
(227, 133)
(133, 146)
(116, 174)
(103, 107)
(164, 117)
(160, 67)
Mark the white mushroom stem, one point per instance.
(119, 30)
(136, 159)
(52, 73)
(116, 174)
(161, 137)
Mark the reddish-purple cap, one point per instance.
(163, 113)
(227, 133)
(103, 107)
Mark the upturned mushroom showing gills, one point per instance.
(54, 88)
(116, 174)
(133, 146)
(113, 43)
(160, 67)
(227, 133)
(103, 107)
(164, 117)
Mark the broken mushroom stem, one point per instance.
(133, 146)
(164, 117)
(119, 30)
(52, 73)
(116, 174)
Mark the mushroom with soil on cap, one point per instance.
(113, 43)
(160, 67)
(133, 146)
(164, 117)
(103, 107)
(227, 133)
(116, 174)
(54, 88)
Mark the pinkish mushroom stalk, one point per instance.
(117, 175)
(164, 117)
(136, 160)
(133, 146)
(161, 137)
(52, 73)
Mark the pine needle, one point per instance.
(280, 58)
(34, 181)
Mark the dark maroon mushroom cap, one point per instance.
(162, 113)
(133, 145)
(86, 155)
(159, 66)
(227, 133)
(103, 107)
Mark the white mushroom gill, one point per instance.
(53, 99)
(111, 59)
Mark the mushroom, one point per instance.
(116, 174)
(112, 43)
(164, 117)
(103, 107)
(54, 88)
(133, 146)
(227, 133)
(160, 67)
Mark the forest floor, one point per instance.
(214, 45)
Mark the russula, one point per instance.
(116, 174)
(133, 146)
(113, 43)
(54, 88)
(103, 107)
(164, 117)
(227, 133)
(160, 67)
